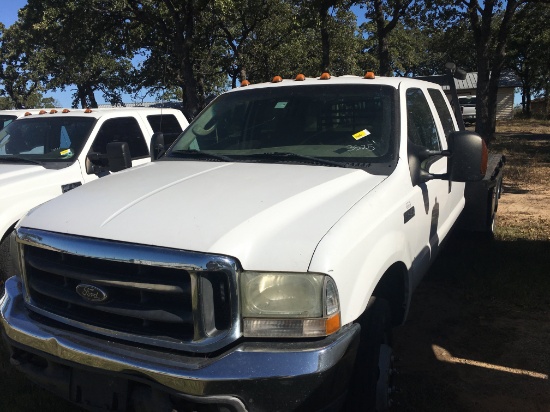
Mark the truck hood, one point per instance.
(269, 216)
(13, 174)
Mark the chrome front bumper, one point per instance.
(250, 376)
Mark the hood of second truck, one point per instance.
(269, 216)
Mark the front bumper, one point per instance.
(251, 376)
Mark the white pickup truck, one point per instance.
(259, 265)
(48, 152)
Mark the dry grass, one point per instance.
(522, 125)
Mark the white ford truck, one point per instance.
(259, 265)
(48, 152)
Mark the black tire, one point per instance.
(371, 382)
(6, 264)
(492, 207)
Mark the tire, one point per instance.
(371, 382)
(492, 207)
(6, 263)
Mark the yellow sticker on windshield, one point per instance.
(66, 153)
(361, 134)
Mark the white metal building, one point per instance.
(505, 96)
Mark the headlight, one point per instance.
(289, 304)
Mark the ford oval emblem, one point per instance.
(91, 293)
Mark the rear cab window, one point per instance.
(123, 129)
(168, 124)
(440, 103)
(421, 126)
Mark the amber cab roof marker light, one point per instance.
(53, 111)
(369, 75)
(277, 79)
(65, 111)
(245, 83)
(325, 76)
(300, 77)
(28, 114)
(42, 112)
(88, 110)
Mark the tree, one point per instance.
(77, 44)
(383, 17)
(491, 21)
(238, 24)
(181, 45)
(20, 76)
(529, 35)
(319, 14)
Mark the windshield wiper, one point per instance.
(196, 153)
(18, 159)
(309, 159)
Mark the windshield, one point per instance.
(340, 124)
(6, 119)
(45, 139)
(467, 100)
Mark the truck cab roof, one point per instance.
(347, 79)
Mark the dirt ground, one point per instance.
(461, 353)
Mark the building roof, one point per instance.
(507, 79)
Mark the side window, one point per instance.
(167, 124)
(124, 129)
(421, 126)
(443, 111)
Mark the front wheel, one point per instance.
(371, 384)
(6, 266)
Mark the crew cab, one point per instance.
(48, 152)
(260, 264)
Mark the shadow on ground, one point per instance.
(477, 334)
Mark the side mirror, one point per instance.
(469, 156)
(157, 146)
(118, 156)
(96, 163)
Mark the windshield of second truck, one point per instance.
(45, 139)
(334, 124)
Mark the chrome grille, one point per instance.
(164, 297)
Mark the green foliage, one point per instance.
(198, 48)
(529, 36)
(75, 42)
(21, 75)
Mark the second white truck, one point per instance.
(48, 152)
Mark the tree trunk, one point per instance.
(325, 38)
(81, 95)
(489, 73)
(382, 34)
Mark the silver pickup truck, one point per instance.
(468, 108)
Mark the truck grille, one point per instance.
(162, 297)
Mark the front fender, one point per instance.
(359, 250)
